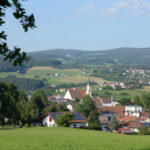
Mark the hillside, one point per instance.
(64, 58)
(139, 56)
(69, 139)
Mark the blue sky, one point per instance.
(83, 25)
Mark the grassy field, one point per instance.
(72, 75)
(69, 139)
(126, 93)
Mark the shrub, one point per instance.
(63, 120)
(144, 130)
(26, 125)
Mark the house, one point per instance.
(145, 117)
(127, 119)
(134, 126)
(104, 122)
(133, 110)
(125, 130)
(62, 90)
(78, 121)
(57, 98)
(104, 102)
(107, 113)
(79, 93)
(70, 107)
(111, 111)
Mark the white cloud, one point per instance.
(120, 6)
(135, 6)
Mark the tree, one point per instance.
(137, 100)
(26, 21)
(93, 120)
(145, 100)
(113, 124)
(64, 119)
(24, 108)
(86, 106)
(9, 100)
(37, 104)
(125, 101)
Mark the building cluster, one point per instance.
(129, 118)
(57, 75)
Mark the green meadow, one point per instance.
(69, 139)
(43, 73)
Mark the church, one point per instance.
(78, 93)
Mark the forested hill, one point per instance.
(76, 58)
(119, 55)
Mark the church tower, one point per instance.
(88, 89)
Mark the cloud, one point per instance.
(135, 6)
(141, 7)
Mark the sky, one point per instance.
(82, 25)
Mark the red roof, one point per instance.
(112, 109)
(145, 114)
(124, 130)
(78, 121)
(77, 93)
(142, 119)
(120, 115)
(135, 124)
(97, 101)
(129, 118)
(106, 100)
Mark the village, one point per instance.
(130, 118)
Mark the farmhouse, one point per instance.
(108, 102)
(78, 121)
(111, 111)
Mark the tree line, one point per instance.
(16, 107)
(25, 83)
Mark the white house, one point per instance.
(78, 120)
(133, 110)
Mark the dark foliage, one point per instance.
(25, 83)
(15, 56)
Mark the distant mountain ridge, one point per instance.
(69, 58)
(124, 55)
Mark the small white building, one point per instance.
(78, 120)
(70, 107)
(133, 110)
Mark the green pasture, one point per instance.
(69, 139)
(124, 93)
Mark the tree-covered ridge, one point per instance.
(136, 56)
(25, 83)
(8, 67)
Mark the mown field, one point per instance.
(69, 139)
(71, 75)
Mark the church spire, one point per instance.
(88, 89)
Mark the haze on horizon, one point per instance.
(83, 25)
